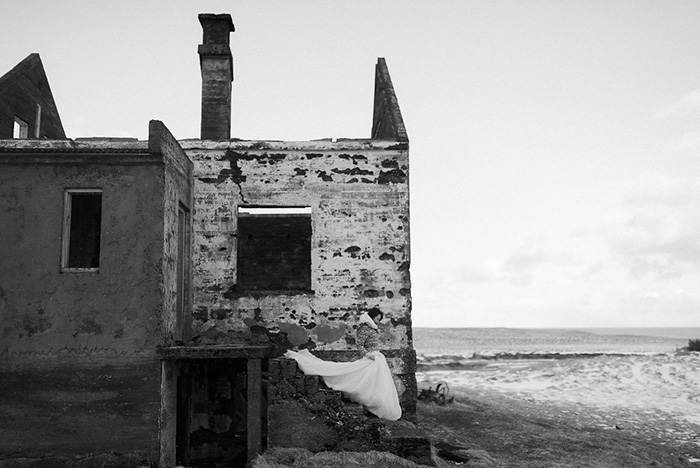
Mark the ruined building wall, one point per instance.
(176, 238)
(21, 90)
(77, 349)
(358, 194)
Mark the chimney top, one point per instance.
(216, 64)
(217, 28)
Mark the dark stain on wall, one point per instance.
(231, 293)
(329, 334)
(353, 171)
(323, 175)
(313, 155)
(354, 157)
(296, 334)
(353, 250)
(88, 326)
(33, 324)
(393, 176)
(224, 174)
(386, 256)
(219, 314)
(201, 313)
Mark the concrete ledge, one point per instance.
(214, 352)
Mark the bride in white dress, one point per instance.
(368, 380)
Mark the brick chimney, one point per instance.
(216, 63)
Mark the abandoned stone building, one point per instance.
(148, 289)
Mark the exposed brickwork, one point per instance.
(303, 412)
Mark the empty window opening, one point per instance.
(81, 229)
(21, 129)
(274, 249)
(37, 121)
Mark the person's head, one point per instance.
(375, 314)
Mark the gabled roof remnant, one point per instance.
(387, 122)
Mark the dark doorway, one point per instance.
(213, 413)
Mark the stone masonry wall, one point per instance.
(360, 254)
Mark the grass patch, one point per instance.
(301, 458)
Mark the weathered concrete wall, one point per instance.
(358, 194)
(177, 192)
(77, 350)
(49, 317)
(80, 410)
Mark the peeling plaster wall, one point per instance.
(360, 256)
(77, 350)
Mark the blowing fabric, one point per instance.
(367, 381)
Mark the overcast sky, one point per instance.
(555, 146)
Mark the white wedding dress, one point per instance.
(367, 380)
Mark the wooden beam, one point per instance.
(254, 408)
(168, 413)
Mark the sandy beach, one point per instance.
(655, 398)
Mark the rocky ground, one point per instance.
(501, 430)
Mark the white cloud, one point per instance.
(637, 264)
(688, 104)
(656, 231)
(688, 143)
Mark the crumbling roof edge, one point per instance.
(340, 144)
(91, 145)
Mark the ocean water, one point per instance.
(638, 379)
(465, 342)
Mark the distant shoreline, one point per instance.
(656, 332)
(427, 363)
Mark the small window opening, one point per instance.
(37, 121)
(274, 249)
(82, 229)
(21, 129)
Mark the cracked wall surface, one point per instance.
(360, 251)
